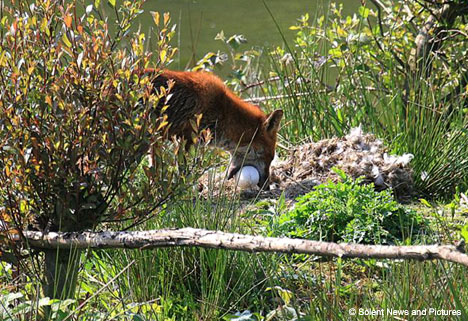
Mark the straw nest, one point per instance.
(307, 165)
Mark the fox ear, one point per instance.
(273, 121)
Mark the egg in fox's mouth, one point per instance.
(234, 170)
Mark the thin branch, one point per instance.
(379, 7)
(259, 83)
(268, 98)
(232, 241)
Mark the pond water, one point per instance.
(198, 22)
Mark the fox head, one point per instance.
(258, 150)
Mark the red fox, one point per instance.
(240, 128)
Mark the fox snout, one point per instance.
(259, 150)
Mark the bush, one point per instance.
(77, 116)
(348, 211)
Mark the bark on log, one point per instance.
(240, 242)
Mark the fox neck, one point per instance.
(240, 123)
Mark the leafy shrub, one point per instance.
(77, 116)
(348, 211)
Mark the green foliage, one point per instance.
(464, 232)
(14, 307)
(77, 116)
(243, 65)
(348, 211)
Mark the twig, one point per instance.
(379, 7)
(268, 98)
(232, 241)
(259, 83)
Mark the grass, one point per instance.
(203, 284)
(177, 282)
(330, 290)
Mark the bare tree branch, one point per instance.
(430, 37)
(257, 100)
(239, 242)
(259, 83)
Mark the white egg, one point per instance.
(248, 177)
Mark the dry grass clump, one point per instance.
(308, 165)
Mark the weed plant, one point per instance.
(348, 211)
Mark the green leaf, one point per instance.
(220, 36)
(66, 41)
(163, 55)
(11, 296)
(364, 12)
(137, 317)
(22, 308)
(336, 52)
(425, 203)
(346, 211)
(236, 40)
(44, 302)
(464, 232)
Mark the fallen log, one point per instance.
(188, 237)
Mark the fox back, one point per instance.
(240, 128)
